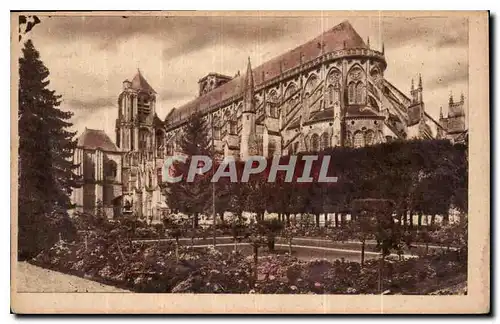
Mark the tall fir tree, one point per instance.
(46, 171)
(194, 197)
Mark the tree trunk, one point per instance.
(336, 218)
(419, 220)
(255, 261)
(362, 253)
(195, 220)
(287, 219)
(381, 275)
(270, 244)
(342, 219)
(317, 219)
(411, 219)
(290, 247)
(222, 217)
(433, 219)
(177, 249)
(446, 219)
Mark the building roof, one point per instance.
(96, 138)
(140, 83)
(360, 111)
(339, 37)
(157, 123)
(321, 115)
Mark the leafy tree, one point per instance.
(193, 197)
(46, 172)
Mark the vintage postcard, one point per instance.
(250, 162)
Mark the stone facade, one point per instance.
(330, 91)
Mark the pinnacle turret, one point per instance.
(248, 89)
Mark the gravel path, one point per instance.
(31, 278)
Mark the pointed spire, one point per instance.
(451, 98)
(462, 99)
(140, 83)
(420, 81)
(412, 85)
(248, 89)
(368, 41)
(441, 112)
(383, 48)
(249, 76)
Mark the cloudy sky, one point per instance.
(89, 57)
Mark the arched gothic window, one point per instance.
(143, 139)
(348, 139)
(333, 94)
(315, 143)
(170, 149)
(330, 94)
(289, 102)
(359, 92)
(111, 169)
(272, 102)
(325, 141)
(359, 139)
(369, 137)
(311, 84)
(273, 110)
(351, 92)
(375, 74)
(232, 127)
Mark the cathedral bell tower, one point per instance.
(136, 111)
(248, 145)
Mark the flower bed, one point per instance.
(107, 253)
(155, 268)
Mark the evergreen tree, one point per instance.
(194, 197)
(46, 176)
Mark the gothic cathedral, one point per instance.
(330, 91)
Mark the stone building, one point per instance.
(100, 165)
(453, 126)
(330, 91)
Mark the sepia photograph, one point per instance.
(258, 159)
